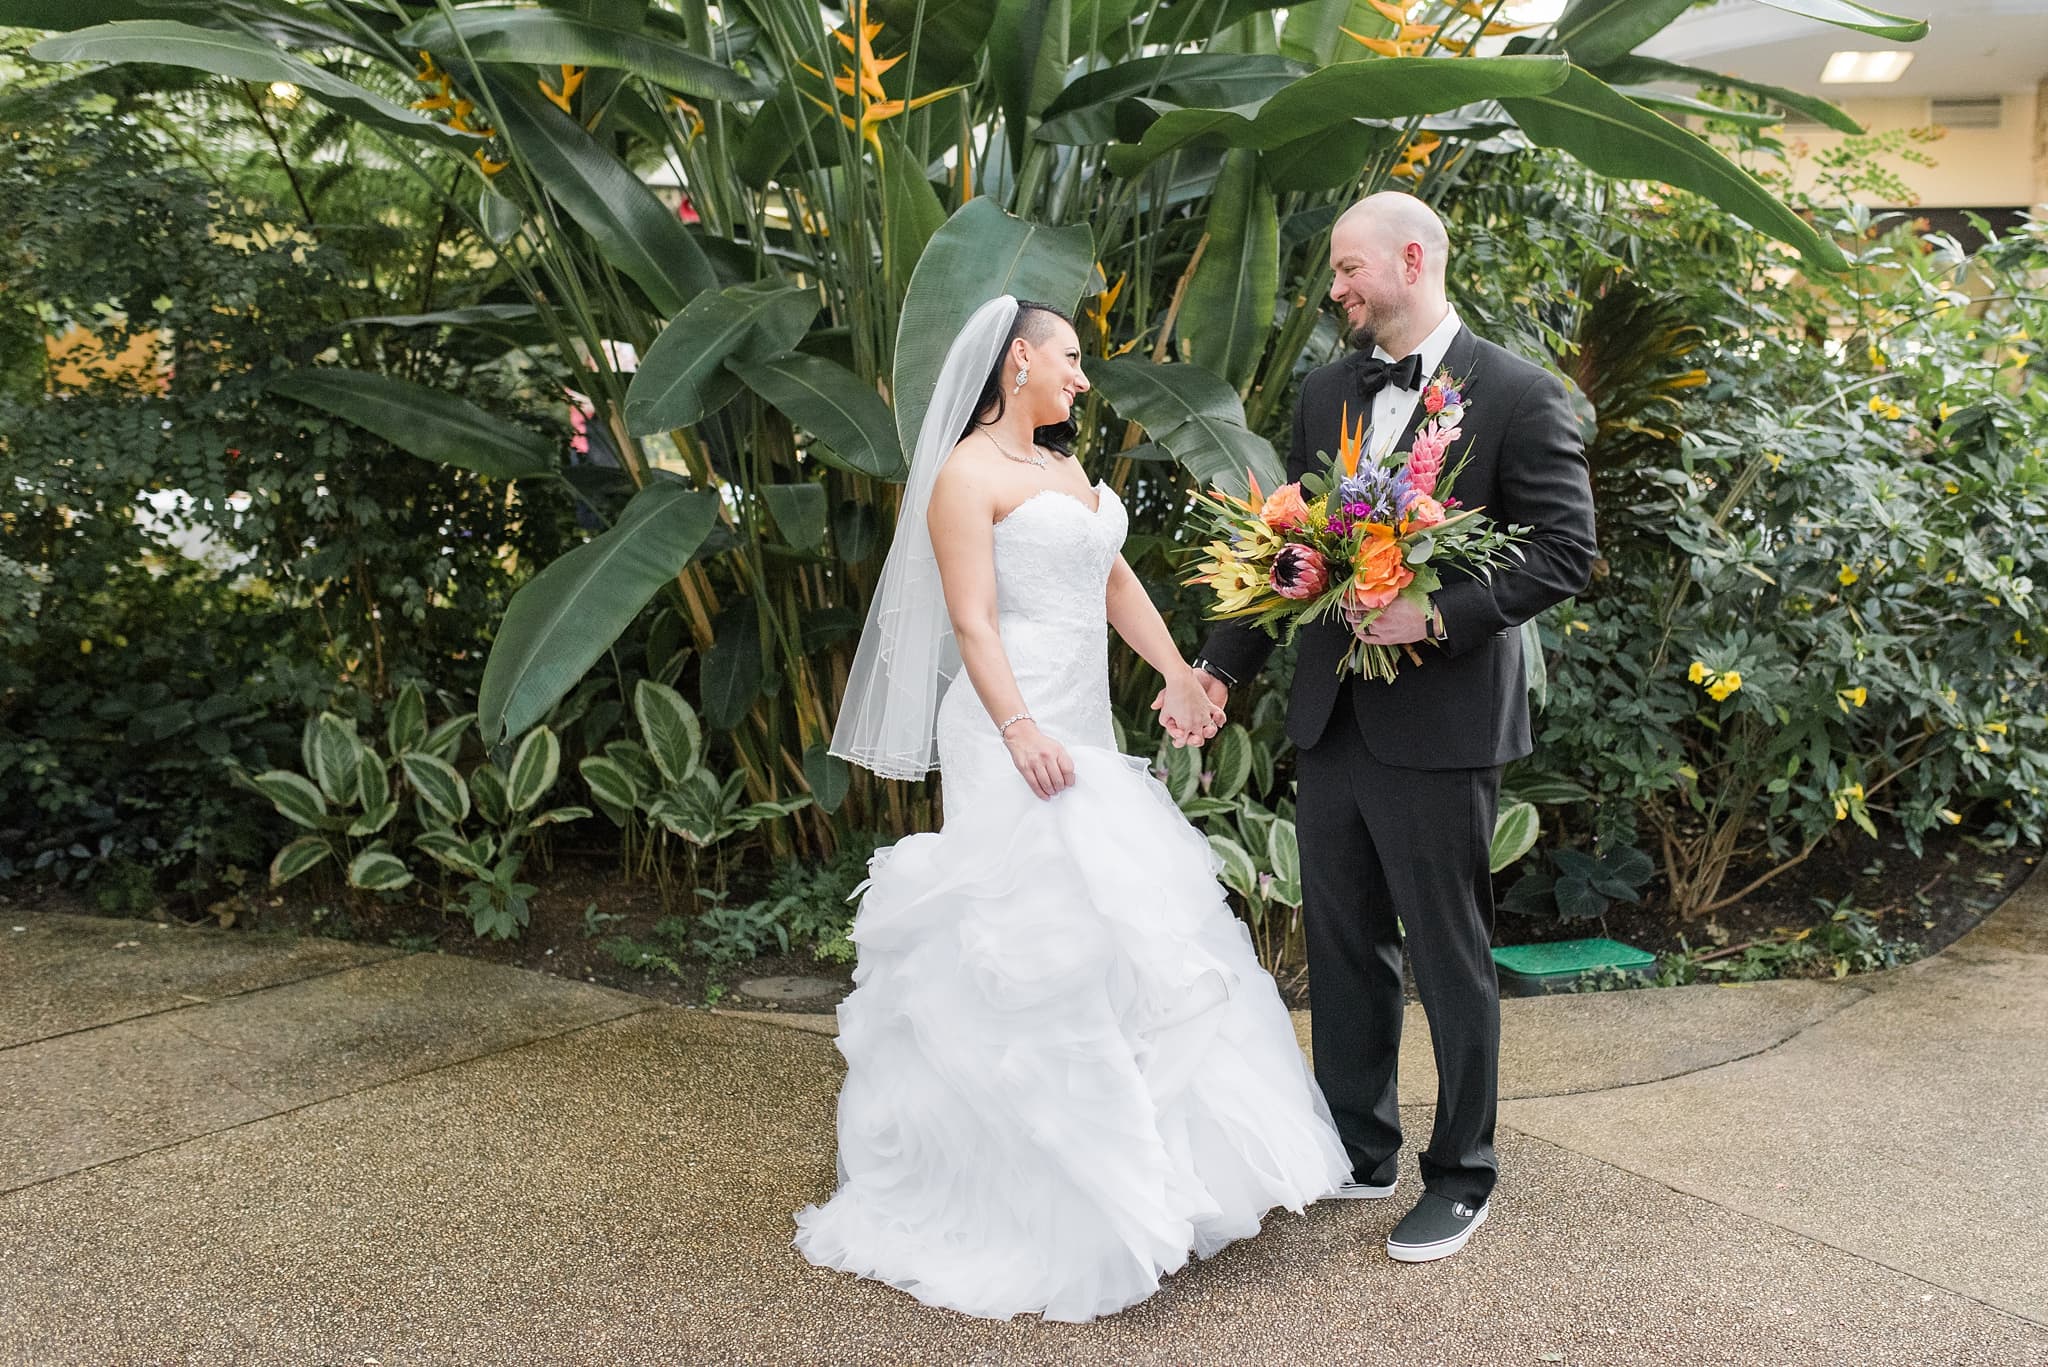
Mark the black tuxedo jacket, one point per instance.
(1466, 706)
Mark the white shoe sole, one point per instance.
(1362, 1191)
(1442, 1248)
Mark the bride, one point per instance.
(1065, 1068)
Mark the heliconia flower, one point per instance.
(1299, 572)
(1284, 509)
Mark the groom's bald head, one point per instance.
(1387, 257)
(1394, 220)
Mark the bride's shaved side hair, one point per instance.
(1034, 322)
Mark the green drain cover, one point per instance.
(1529, 970)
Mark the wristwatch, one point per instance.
(1208, 666)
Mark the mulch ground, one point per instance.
(1924, 900)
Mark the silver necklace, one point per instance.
(1036, 458)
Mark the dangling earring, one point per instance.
(1023, 375)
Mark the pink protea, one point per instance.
(1299, 572)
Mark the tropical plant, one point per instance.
(1846, 551)
(663, 784)
(351, 798)
(841, 211)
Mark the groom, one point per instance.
(1398, 782)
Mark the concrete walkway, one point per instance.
(217, 1148)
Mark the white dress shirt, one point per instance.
(1391, 407)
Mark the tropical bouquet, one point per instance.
(1347, 542)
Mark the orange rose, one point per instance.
(1382, 574)
(1284, 509)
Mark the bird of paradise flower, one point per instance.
(861, 83)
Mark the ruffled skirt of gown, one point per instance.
(1065, 1068)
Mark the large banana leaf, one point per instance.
(1618, 137)
(911, 211)
(1201, 21)
(1642, 70)
(513, 324)
(278, 20)
(494, 33)
(1085, 114)
(165, 42)
(1194, 415)
(1862, 18)
(568, 615)
(781, 128)
(1599, 31)
(980, 253)
(947, 34)
(1379, 88)
(67, 15)
(429, 423)
(833, 404)
(682, 378)
(1328, 160)
(1314, 32)
(1664, 102)
(1228, 312)
(1596, 32)
(1031, 38)
(633, 229)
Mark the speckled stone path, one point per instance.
(220, 1149)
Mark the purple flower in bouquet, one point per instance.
(1368, 486)
(1299, 572)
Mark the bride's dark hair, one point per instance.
(1034, 323)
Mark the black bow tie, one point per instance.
(1375, 374)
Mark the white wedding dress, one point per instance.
(1065, 1068)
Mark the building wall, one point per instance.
(1999, 167)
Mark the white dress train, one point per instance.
(1065, 1068)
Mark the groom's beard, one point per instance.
(1362, 338)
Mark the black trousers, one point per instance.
(1388, 852)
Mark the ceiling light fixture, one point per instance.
(1865, 68)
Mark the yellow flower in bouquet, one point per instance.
(1238, 586)
(1338, 545)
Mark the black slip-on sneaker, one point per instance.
(1436, 1228)
(1365, 1191)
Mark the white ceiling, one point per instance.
(1972, 47)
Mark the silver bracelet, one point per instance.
(1004, 729)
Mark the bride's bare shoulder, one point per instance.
(964, 487)
(967, 468)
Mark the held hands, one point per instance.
(1042, 761)
(1191, 707)
(1401, 623)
